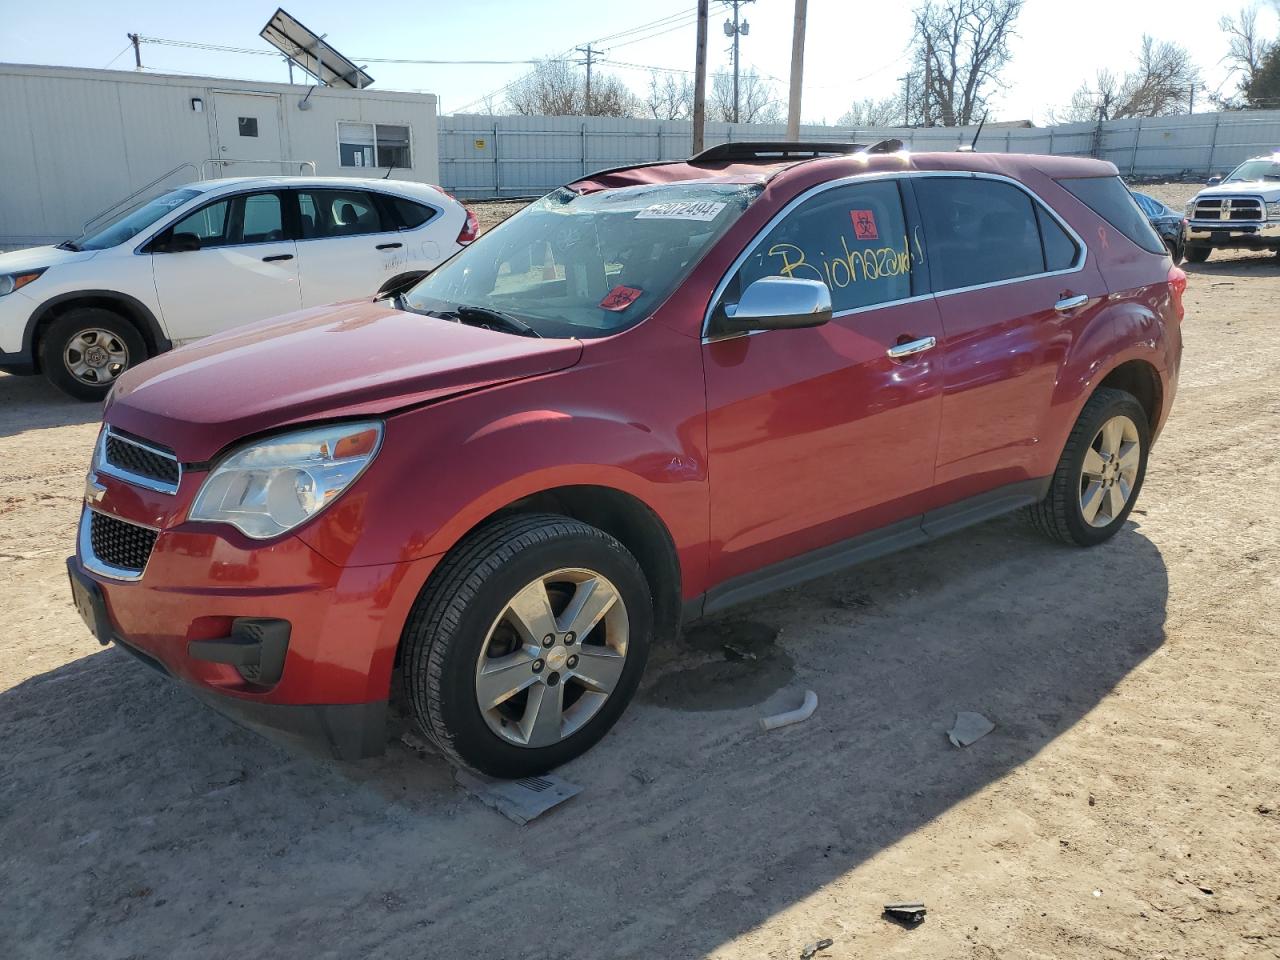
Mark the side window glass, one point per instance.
(208, 223)
(262, 219)
(1060, 251)
(852, 238)
(411, 214)
(338, 213)
(977, 231)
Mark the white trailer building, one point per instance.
(78, 141)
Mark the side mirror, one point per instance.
(781, 303)
(1213, 181)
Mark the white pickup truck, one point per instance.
(1240, 211)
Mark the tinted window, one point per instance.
(1110, 199)
(977, 231)
(1060, 251)
(411, 214)
(853, 239)
(338, 213)
(209, 224)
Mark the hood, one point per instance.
(351, 359)
(1267, 189)
(36, 258)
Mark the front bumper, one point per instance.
(1250, 234)
(201, 582)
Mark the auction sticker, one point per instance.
(682, 210)
(619, 298)
(864, 224)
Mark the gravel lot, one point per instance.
(1127, 804)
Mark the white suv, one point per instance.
(1241, 211)
(209, 256)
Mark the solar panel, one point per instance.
(309, 51)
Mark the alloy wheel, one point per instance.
(96, 356)
(552, 657)
(1109, 471)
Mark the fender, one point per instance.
(133, 308)
(1126, 329)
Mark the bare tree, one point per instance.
(757, 102)
(870, 112)
(555, 88)
(1245, 57)
(959, 50)
(1159, 86)
(670, 97)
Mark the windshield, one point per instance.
(1255, 170)
(589, 265)
(129, 224)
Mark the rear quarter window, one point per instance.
(1110, 199)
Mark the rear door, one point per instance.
(244, 269)
(1013, 290)
(816, 435)
(349, 243)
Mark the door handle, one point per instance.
(389, 246)
(1070, 303)
(911, 348)
(278, 256)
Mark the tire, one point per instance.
(120, 341)
(462, 622)
(1062, 515)
(1196, 253)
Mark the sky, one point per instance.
(855, 48)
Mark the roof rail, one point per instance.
(773, 150)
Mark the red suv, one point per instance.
(654, 393)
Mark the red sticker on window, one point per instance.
(864, 224)
(619, 298)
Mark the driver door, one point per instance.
(244, 269)
(816, 435)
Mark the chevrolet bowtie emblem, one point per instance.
(93, 491)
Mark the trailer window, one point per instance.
(374, 145)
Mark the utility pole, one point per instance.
(736, 29)
(928, 79)
(700, 78)
(1191, 105)
(590, 54)
(906, 102)
(137, 50)
(797, 72)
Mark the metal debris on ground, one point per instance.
(969, 728)
(734, 652)
(811, 949)
(518, 800)
(798, 715)
(908, 915)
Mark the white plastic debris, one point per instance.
(799, 715)
(969, 728)
(518, 800)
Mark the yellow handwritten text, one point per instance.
(851, 267)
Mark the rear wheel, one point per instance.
(527, 644)
(1196, 253)
(1100, 472)
(85, 350)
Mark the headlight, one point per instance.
(1189, 208)
(1273, 210)
(269, 487)
(10, 282)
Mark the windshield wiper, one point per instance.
(512, 324)
(69, 245)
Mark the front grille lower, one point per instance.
(137, 460)
(120, 543)
(1228, 208)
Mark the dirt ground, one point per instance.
(1126, 805)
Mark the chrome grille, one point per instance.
(1228, 208)
(138, 462)
(119, 543)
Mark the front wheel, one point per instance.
(85, 350)
(1196, 253)
(1100, 472)
(527, 644)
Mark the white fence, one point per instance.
(484, 156)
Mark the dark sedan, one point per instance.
(1167, 222)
